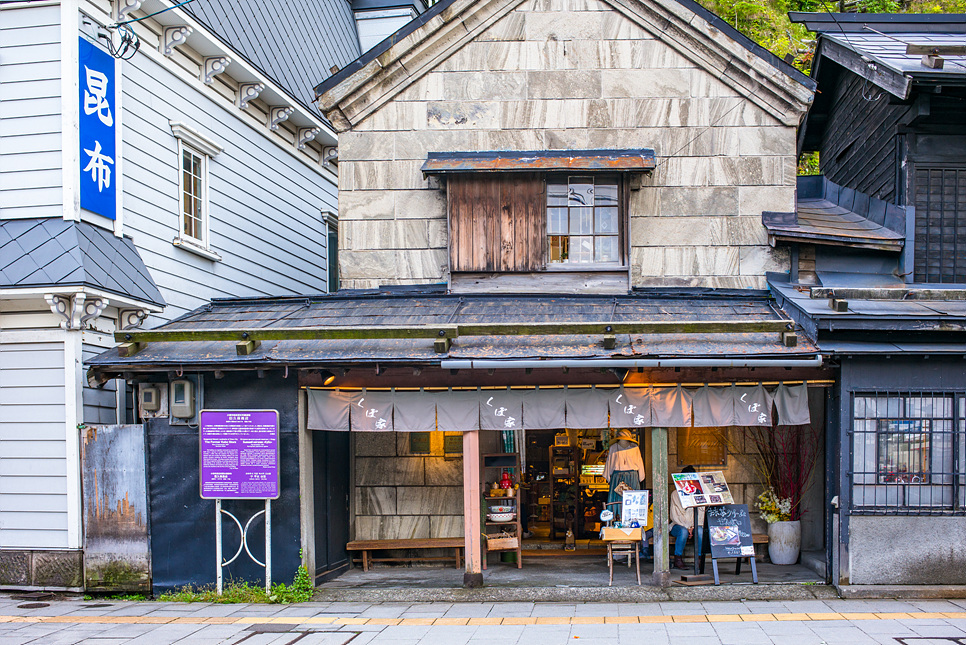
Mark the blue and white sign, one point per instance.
(98, 148)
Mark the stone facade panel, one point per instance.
(416, 144)
(374, 444)
(483, 86)
(617, 27)
(774, 140)
(465, 115)
(379, 471)
(365, 205)
(511, 27)
(58, 568)
(758, 260)
(397, 527)
(752, 200)
(553, 25)
(567, 84)
(700, 201)
(661, 83)
(445, 526)
(362, 146)
(429, 500)
(420, 203)
(444, 472)
(384, 234)
(375, 500)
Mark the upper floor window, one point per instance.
(194, 195)
(195, 152)
(583, 220)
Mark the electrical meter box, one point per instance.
(150, 398)
(182, 399)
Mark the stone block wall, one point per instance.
(42, 569)
(398, 495)
(573, 74)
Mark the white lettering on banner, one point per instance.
(510, 422)
(360, 402)
(618, 399)
(629, 409)
(639, 420)
(489, 402)
(762, 418)
(371, 413)
(500, 412)
(743, 397)
(95, 97)
(381, 424)
(98, 167)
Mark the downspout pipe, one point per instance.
(570, 363)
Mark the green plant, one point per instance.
(773, 508)
(300, 590)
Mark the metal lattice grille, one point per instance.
(940, 250)
(907, 453)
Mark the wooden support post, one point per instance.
(126, 350)
(659, 488)
(471, 510)
(246, 347)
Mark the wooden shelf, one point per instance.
(503, 461)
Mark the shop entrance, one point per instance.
(564, 486)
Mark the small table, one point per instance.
(631, 549)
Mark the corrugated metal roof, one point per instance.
(293, 43)
(828, 212)
(433, 309)
(891, 309)
(52, 251)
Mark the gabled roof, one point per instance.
(390, 67)
(291, 43)
(827, 213)
(888, 49)
(53, 252)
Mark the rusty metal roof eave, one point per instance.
(777, 235)
(212, 355)
(446, 163)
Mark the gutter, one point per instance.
(489, 364)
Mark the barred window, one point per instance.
(908, 453)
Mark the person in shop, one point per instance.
(683, 528)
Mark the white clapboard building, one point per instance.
(152, 158)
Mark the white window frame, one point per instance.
(203, 147)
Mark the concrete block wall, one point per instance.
(398, 495)
(573, 74)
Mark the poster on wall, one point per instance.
(98, 130)
(239, 454)
(702, 489)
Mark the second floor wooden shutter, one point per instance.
(497, 223)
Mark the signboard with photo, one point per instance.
(634, 505)
(728, 531)
(702, 489)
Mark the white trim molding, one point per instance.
(213, 66)
(75, 309)
(195, 139)
(305, 135)
(248, 92)
(127, 7)
(278, 114)
(131, 318)
(173, 37)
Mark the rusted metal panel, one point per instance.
(632, 160)
(116, 553)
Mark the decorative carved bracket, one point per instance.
(173, 37)
(248, 92)
(214, 65)
(126, 7)
(278, 114)
(75, 310)
(330, 155)
(306, 135)
(131, 318)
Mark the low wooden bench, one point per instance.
(366, 546)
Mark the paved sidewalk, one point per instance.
(815, 622)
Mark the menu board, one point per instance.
(702, 489)
(727, 531)
(634, 505)
(239, 454)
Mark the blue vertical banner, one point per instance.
(98, 148)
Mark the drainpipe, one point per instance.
(572, 363)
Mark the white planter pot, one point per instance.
(784, 542)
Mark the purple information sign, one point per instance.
(239, 454)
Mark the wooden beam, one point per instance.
(888, 79)
(126, 350)
(451, 332)
(246, 347)
(662, 523)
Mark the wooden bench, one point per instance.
(366, 546)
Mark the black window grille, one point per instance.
(907, 453)
(940, 198)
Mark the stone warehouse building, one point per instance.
(719, 112)
(533, 194)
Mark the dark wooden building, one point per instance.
(877, 279)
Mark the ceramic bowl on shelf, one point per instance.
(501, 509)
(501, 517)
